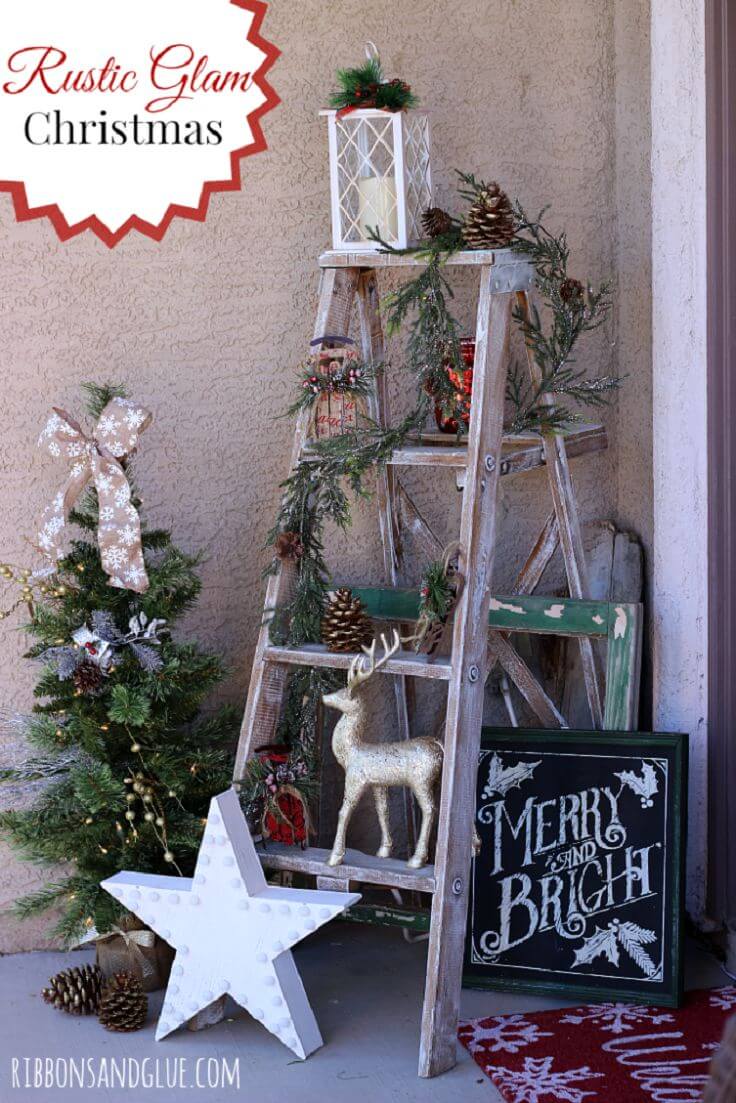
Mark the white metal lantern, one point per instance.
(379, 176)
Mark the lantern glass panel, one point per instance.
(366, 171)
(418, 180)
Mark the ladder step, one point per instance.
(316, 654)
(520, 453)
(562, 616)
(366, 868)
(428, 456)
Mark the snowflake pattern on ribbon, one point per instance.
(98, 459)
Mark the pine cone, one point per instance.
(76, 991)
(571, 290)
(436, 222)
(346, 626)
(490, 222)
(88, 676)
(289, 546)
(123, 1004)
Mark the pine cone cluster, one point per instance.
(76, 991)
(123, 1004)
(87, 677)
(436, 222)
(346, 626)
(490, 223)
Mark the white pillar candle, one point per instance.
(377, 206)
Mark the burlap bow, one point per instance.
(134, 941)
(97, 458)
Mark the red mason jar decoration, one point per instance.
(288, 825)
(463, 383)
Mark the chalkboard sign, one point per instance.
(577, 886)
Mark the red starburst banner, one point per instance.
(114, 125)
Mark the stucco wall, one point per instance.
(207, 327)
(680, 564)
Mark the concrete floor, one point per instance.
(365, 985)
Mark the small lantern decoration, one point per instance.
(336, 408)
(379, 160)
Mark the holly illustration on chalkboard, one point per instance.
(645, 786)
(606, 941)
(502, 778)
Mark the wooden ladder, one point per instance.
(505, 281)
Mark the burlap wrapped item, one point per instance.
(133, 948)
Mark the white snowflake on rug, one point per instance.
(537, 1082)
(724, 998)
(617, 1017)
(507, 1033)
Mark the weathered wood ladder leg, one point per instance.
(338, 288)
(568, 524)
(371, 332)
(466, 686)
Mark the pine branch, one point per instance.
(99, 394)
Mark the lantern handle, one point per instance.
(371, 52)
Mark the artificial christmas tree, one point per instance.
(132, 765)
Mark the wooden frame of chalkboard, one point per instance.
(577, 890)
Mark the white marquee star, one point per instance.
(232, 931)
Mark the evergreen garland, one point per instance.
(353, 378)
(436, 593)
(318, 489)
(132, 765)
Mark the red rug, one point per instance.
(605, 1053)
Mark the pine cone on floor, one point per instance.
(346, 626)
(76, 991)
(123, 1004)
(490, 222)
(87, 677)
(436, 222)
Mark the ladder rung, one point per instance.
(356, 866)
(429, 456)
(316, 654)
(520, 453)
(474, 258)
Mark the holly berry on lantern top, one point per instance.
(366, 86)
(379, 159)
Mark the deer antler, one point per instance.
(361, 669)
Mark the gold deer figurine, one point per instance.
(416, 763)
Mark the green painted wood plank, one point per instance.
(377, 915)
(554, 616)
(623, 667)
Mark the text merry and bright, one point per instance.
(582, 843)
